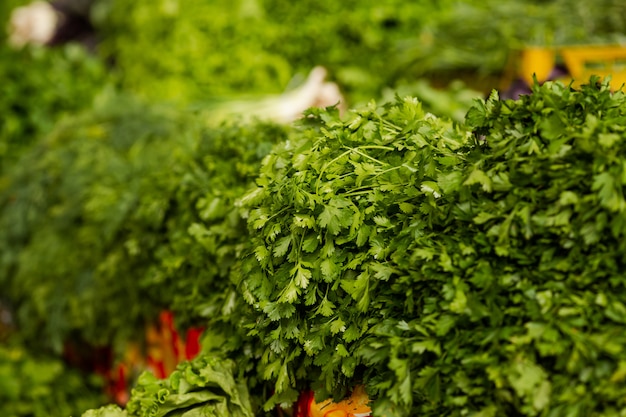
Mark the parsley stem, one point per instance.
(326, 166)
(355, 150)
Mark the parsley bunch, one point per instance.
(453, 273)
(518, 311)
(321, 267)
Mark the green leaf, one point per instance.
(326, 308)
(479, 177)
(281, 246)
(302, 276)
(337, 326)
(605, 185)
(342, 351)
(330, 270)
(310, 244)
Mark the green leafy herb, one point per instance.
(320, 268)
(517, 311)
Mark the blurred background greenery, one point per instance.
(190, 51)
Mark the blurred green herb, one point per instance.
(41, 386)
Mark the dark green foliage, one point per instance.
(125, 209)
(536, 322)
(519, 310)
(205, 233)
(458, 270)
(64, 216)
(455, 273)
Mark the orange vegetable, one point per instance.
(354, 406)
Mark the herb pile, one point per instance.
(65, 212)
(529, 320)
(127, 208)
(471, 268)
(454, 273)
(458, 269)
(324, 261)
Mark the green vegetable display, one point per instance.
(322, 268)
(529, 320)
(452, 273)
(456, 263)
(468, 269)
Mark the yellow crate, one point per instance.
(536, 61)
(581, 62)
(585, 61)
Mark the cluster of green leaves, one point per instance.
(525, 319)
(321, 268)
(6, 8)
(457, 271)
(40, 87)
(127, 207)
(42, 386)
(204, 387)
(63, 210)
(529, 320)
(452, 103)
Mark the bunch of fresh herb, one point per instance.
(517, 305)
(453, 275)
(320, 269)
(63, 211)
